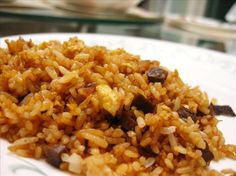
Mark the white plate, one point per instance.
(214, 72)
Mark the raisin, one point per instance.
(184, 113)
(53, 154)
(157, 74)
(222, 110)
(127, 121)
(141, 103)
(207, 155)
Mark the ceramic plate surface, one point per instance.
(214, 72)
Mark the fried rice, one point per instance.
(94, 111)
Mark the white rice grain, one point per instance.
(168, 130)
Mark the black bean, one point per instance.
(124, 118)
(146, 151)
(207, 155)
(20, 98)
(184, 113)
(53, 154)
(141, 103)
(127, 120)
(225, 110)
(200, 114)
(156, 74)
(86, 146)
(211, 108)
(111, 119)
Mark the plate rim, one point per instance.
(118, 36)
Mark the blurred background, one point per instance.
(205, 23)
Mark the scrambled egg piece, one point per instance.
(109, 98)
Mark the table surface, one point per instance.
(60, 15)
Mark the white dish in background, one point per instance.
(214, 72)
(101, 5)
(203, 22)
(24, 4)
(204, 26)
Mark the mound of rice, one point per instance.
(93, 111)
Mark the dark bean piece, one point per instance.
(211, 110)
(111, 119)
(207, 155)
(86, 146)
(20, 98)
(124, 118)
(53, 154)
(200, 114)
(127, 121)
(141, 103)
(157, 74)
(42, 112)
(225, 110)
(146, 151)
(184, 113)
